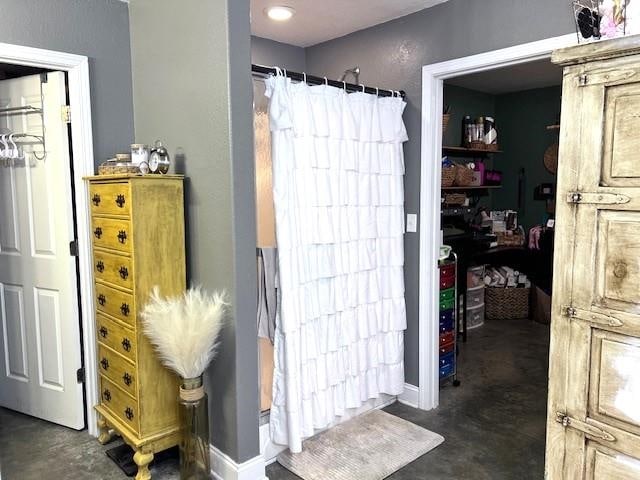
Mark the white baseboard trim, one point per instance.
(224, 467)
(410, 396)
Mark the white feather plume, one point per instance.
(185, 329)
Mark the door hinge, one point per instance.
(73, 248)
(80, 375)
(597, 198)
(66, 113)
(592, 317)
(583, 80)
(584, 427)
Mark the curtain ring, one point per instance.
(344, 85)
(377, 92)
(362, 85)
(398, 92)
(326, 82)
(304, 77)
(278, 71)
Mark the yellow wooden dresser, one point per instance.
(137, 225)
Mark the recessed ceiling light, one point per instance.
(280, 13)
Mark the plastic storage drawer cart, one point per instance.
(448, 320)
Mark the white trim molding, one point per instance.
(77, 68)
(224, 467)
(410, 395)
(431, 155)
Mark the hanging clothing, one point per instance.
(267, 292)
(338, 172)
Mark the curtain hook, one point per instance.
(326, 82)
(344, 85)
(362, 85)
(377, 92)
(398, 92)
(304, 77)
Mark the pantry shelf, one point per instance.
(462, 151)
(480, 187)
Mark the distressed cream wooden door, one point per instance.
(593, 428)
(40, 325)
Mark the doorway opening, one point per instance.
(434, 78)
(46, 295)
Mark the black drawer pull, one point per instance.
(124, 309)
(105, 363)
(102, 299)
(128, 413)
(106, 395)
(98, 232)
(96, 199)
(124, 272)
(104, 332)
(122, 236)
(126, 344)
(120, 201)
(100, 266)
(126, 378)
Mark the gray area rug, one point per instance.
(369, 447)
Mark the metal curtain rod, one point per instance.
(313, 80)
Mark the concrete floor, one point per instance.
(493, 424)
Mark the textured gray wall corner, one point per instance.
(268, 52)
(98, 29)
(391, 55)
(191, 90)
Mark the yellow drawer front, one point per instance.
(119, 404)
(118, 370)
(110, 198)
(116, 337)
(112, 268)
(112, 233)
(116, 303)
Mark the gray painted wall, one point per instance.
(98, 29)
(191, 91)
(391, 55)
(268, 52)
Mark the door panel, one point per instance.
(614, 383)
(607, 464)
(13, 326)
(40, 342)
(594, 387)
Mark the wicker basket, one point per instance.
(445, 122)
(448, 176)
(511, 239)
(464, 176)
(506, 303)
(455, 199)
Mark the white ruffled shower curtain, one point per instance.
(338, 172)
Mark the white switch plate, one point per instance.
(412, 222)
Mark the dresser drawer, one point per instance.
(116, 337)
(110, 198)
(119, 403)
(117, 369)
(116, 303)
(112, 268)
(113, 233)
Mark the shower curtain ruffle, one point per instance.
(339, 202)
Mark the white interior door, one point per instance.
(40, 331)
